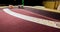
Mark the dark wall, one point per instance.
(33, 2)
(27, 2)
(10, 2)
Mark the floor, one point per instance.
(27, 21)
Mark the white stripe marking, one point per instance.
(32, 19)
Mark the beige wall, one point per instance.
(51, 4)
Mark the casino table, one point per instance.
(28, 20)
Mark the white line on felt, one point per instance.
(32, 19)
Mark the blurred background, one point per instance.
(16, 2)
(52, 4)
